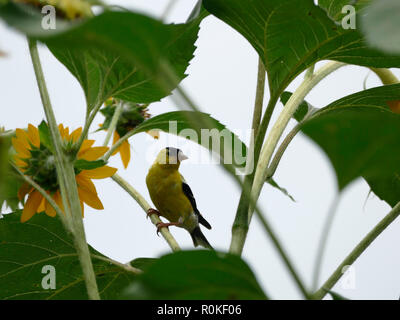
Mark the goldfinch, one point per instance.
(173, 197)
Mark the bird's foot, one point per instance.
(152, 211)
(161, 225)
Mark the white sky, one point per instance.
(222, 79)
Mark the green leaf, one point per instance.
(122, 54)
(142, 263)
(360, 135)
(196, 274)
(25, 248)
(215, 136)
(291, 35)
(273, 183)
(83, 164)
(336, 296)
(381, 25)
(44, 134)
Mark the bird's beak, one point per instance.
(182, 157)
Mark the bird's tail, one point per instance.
(199, 239)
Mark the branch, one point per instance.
(357, 251)
(145, 206)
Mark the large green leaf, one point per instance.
(196, 274)
(360, 134)
(291, 35)
(121, 54)
(213, 135)
(381, 25)
(25, 248)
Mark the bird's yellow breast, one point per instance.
(165, 188)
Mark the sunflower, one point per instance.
(34, 158)
(131, 116)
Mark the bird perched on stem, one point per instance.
(173, 197)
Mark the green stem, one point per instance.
(114, 122)
(66, 179)
(386, 76)
(276, 132)
(145, 206)
(357, 251)
(258, 105)
(168, 9)
(89, 120)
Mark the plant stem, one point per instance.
(386, 76)
(281, 150)
(89, 119)
(272, 140)
(258, 105)
(125, 266)
(113, 124)
(66, 179)
(168, 9)
(357, 251)
(323, 242)
(145, 206)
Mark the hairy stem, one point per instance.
(357, 251)
(66, 179)
(114, 122)
(272, 140)
(145, 206)
(386, 76)
(240, 226)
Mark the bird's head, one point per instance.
(170, 157)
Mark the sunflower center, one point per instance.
(41, 166)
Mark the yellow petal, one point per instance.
(115, 139)
(76, 134)
(42, 206)
(34, 135)
(93, 153)
(125, 153)
(99, 173)
(85, 146)
(90, 199)
(22, 136)
(24, 190)
(19, 146)
(31, 206)
(85, 183)
(50, 211)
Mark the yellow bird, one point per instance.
(173, 197)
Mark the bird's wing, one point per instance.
(189, 194)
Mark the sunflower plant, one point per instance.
(125, 62)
